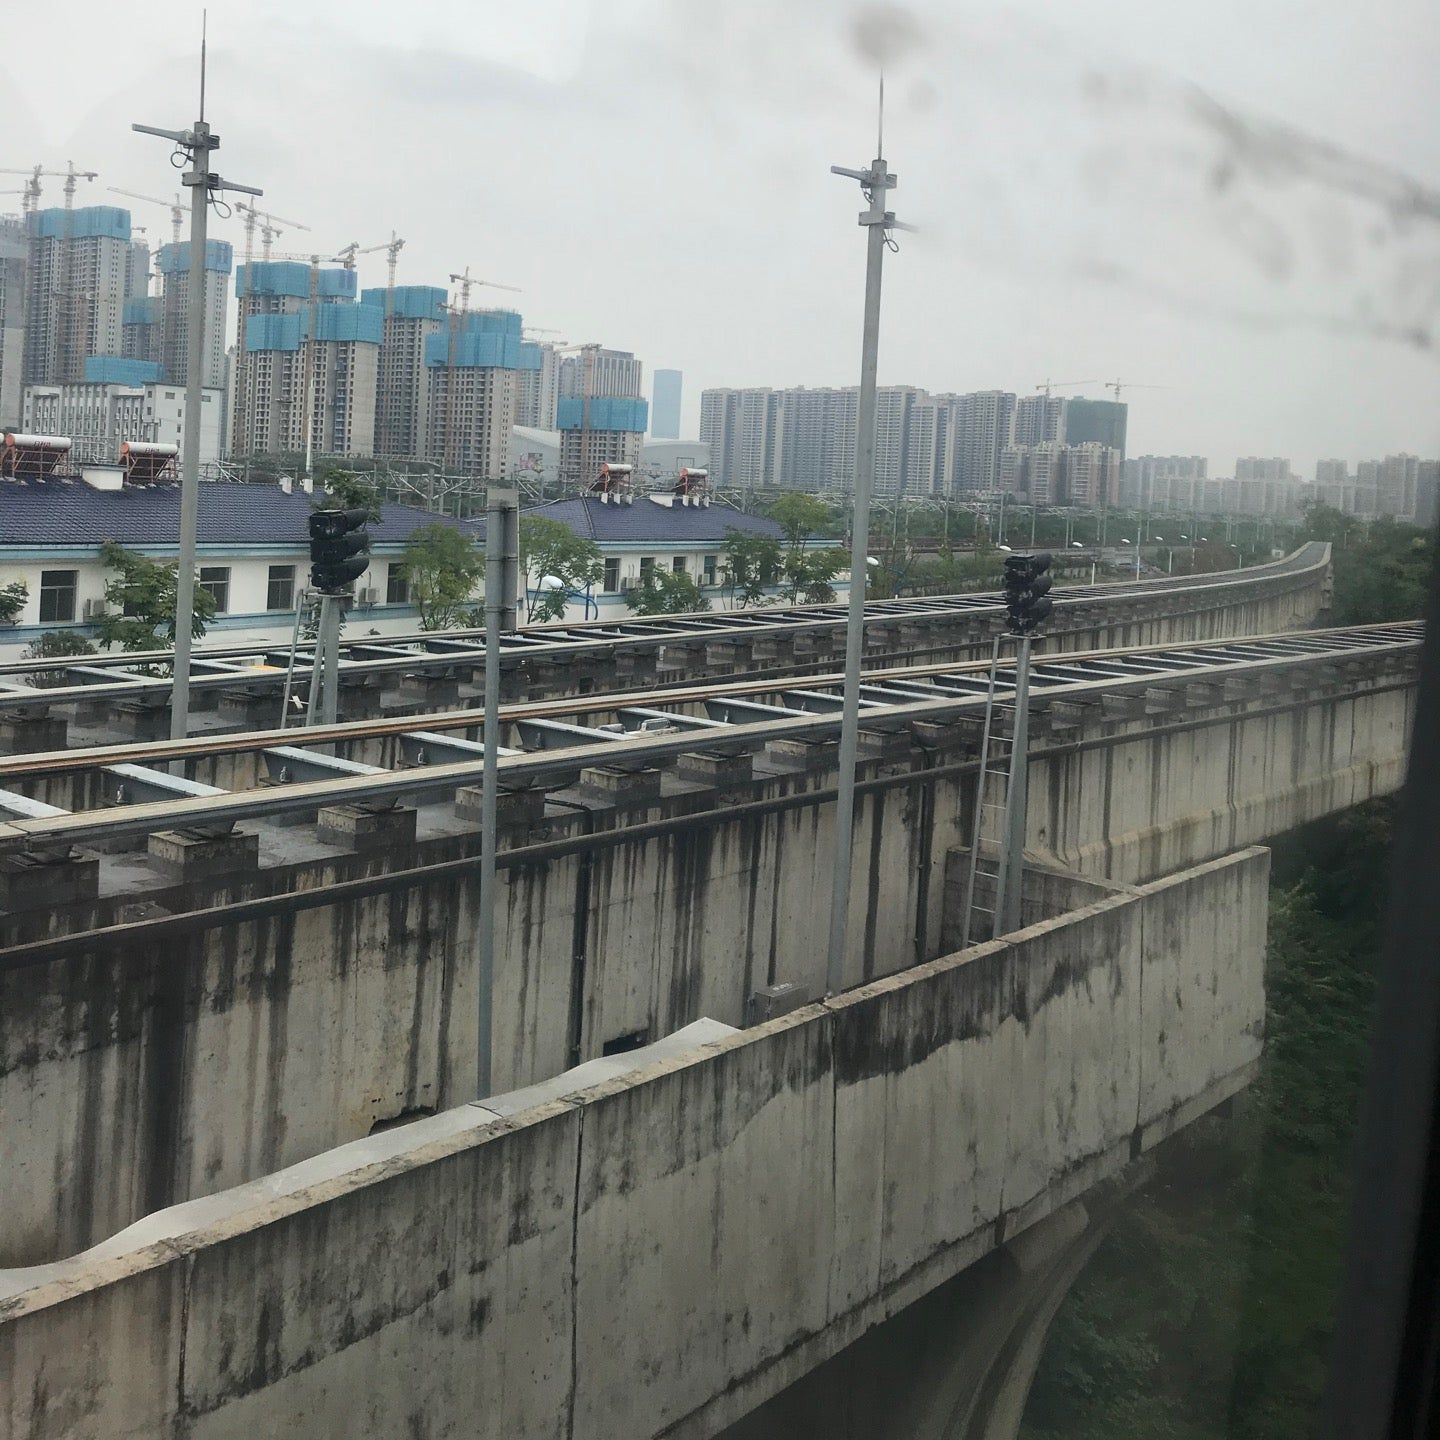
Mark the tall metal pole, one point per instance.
(874, 182)
(498, 504)
(196, 178)
(201, 181)
(330, 648)
(1012, 854)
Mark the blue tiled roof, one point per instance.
(646, 521)
(69, 513)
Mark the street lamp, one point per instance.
(554, 585)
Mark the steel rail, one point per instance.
(1188, 665)
(159, 752)
(596, 640)
(128, 934)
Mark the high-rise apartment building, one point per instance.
(1159, 481)
(140, 329)
(1258, 467)
(413, 314)
(78, 263)
(977, 430)
(1331, 472)
(173, 264)
(1397, 479)
(666, 386)
(1054, 474)
(14, 263)
(1099, 422)
(538, 386)
(601, 413)
(1092, 474)
(474, 366)
(137, 270)
(286, 360)
(1038, 419)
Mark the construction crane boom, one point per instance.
(1048, 385)
(70, 175)
(176, 207)
(1118, 385)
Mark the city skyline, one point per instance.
(1263, 353)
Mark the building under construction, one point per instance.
(474, 370)
(414, 314)
(601, 413)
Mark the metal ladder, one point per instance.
(992, 800)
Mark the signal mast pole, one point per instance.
(874, 183)
(198, 142)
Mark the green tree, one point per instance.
(665, 592)
(808, 574)
(752, 562)
(143, 601)
(549, 548)
(55, 644)
(800, 517)
(442, 566)
(345, 490)
(12, 599)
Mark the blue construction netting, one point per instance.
(219, 257)
(411, 302)
(272, 332)
(607, 412)
(118, 370)
(292, 278)
(83, 224)
(363, 323)
(143, 310)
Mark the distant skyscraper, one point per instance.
(281, 361)
(665, 404)
(1039, 418)
(173, 264)
(14, 262)
(413, 313)
(978, 430)
(601, 412)
(1331, 472)
(538, 386)
(79, 262)
(1256, 467)
(474, 374)
(1100, 422)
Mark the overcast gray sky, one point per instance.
(1099, 191)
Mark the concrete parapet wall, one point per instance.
(662, 1253)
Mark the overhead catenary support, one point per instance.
(201, 181)
(874, 183)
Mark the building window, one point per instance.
(677, 565)
(647, 565)
(280, 588)
(216, 580)
(397, 586)
(611, 583)
(712, 566)
(57, 595)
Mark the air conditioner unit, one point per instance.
(94, 609)
(629, 582)
(367, 595)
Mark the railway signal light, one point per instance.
(1027, 592)
(339, 549)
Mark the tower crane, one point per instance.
(269, 228)
(467, 282)
(392, 248)
(176, 207)
(32, 190)
(1116, 386)
(1048, 385)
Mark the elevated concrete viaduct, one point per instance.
(108, 698)
(658, 1255)
(303, 984)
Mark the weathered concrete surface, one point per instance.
(135, 1074)
(666, 1251)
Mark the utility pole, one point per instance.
(501, 563)
(874, 183)
(201, 181)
